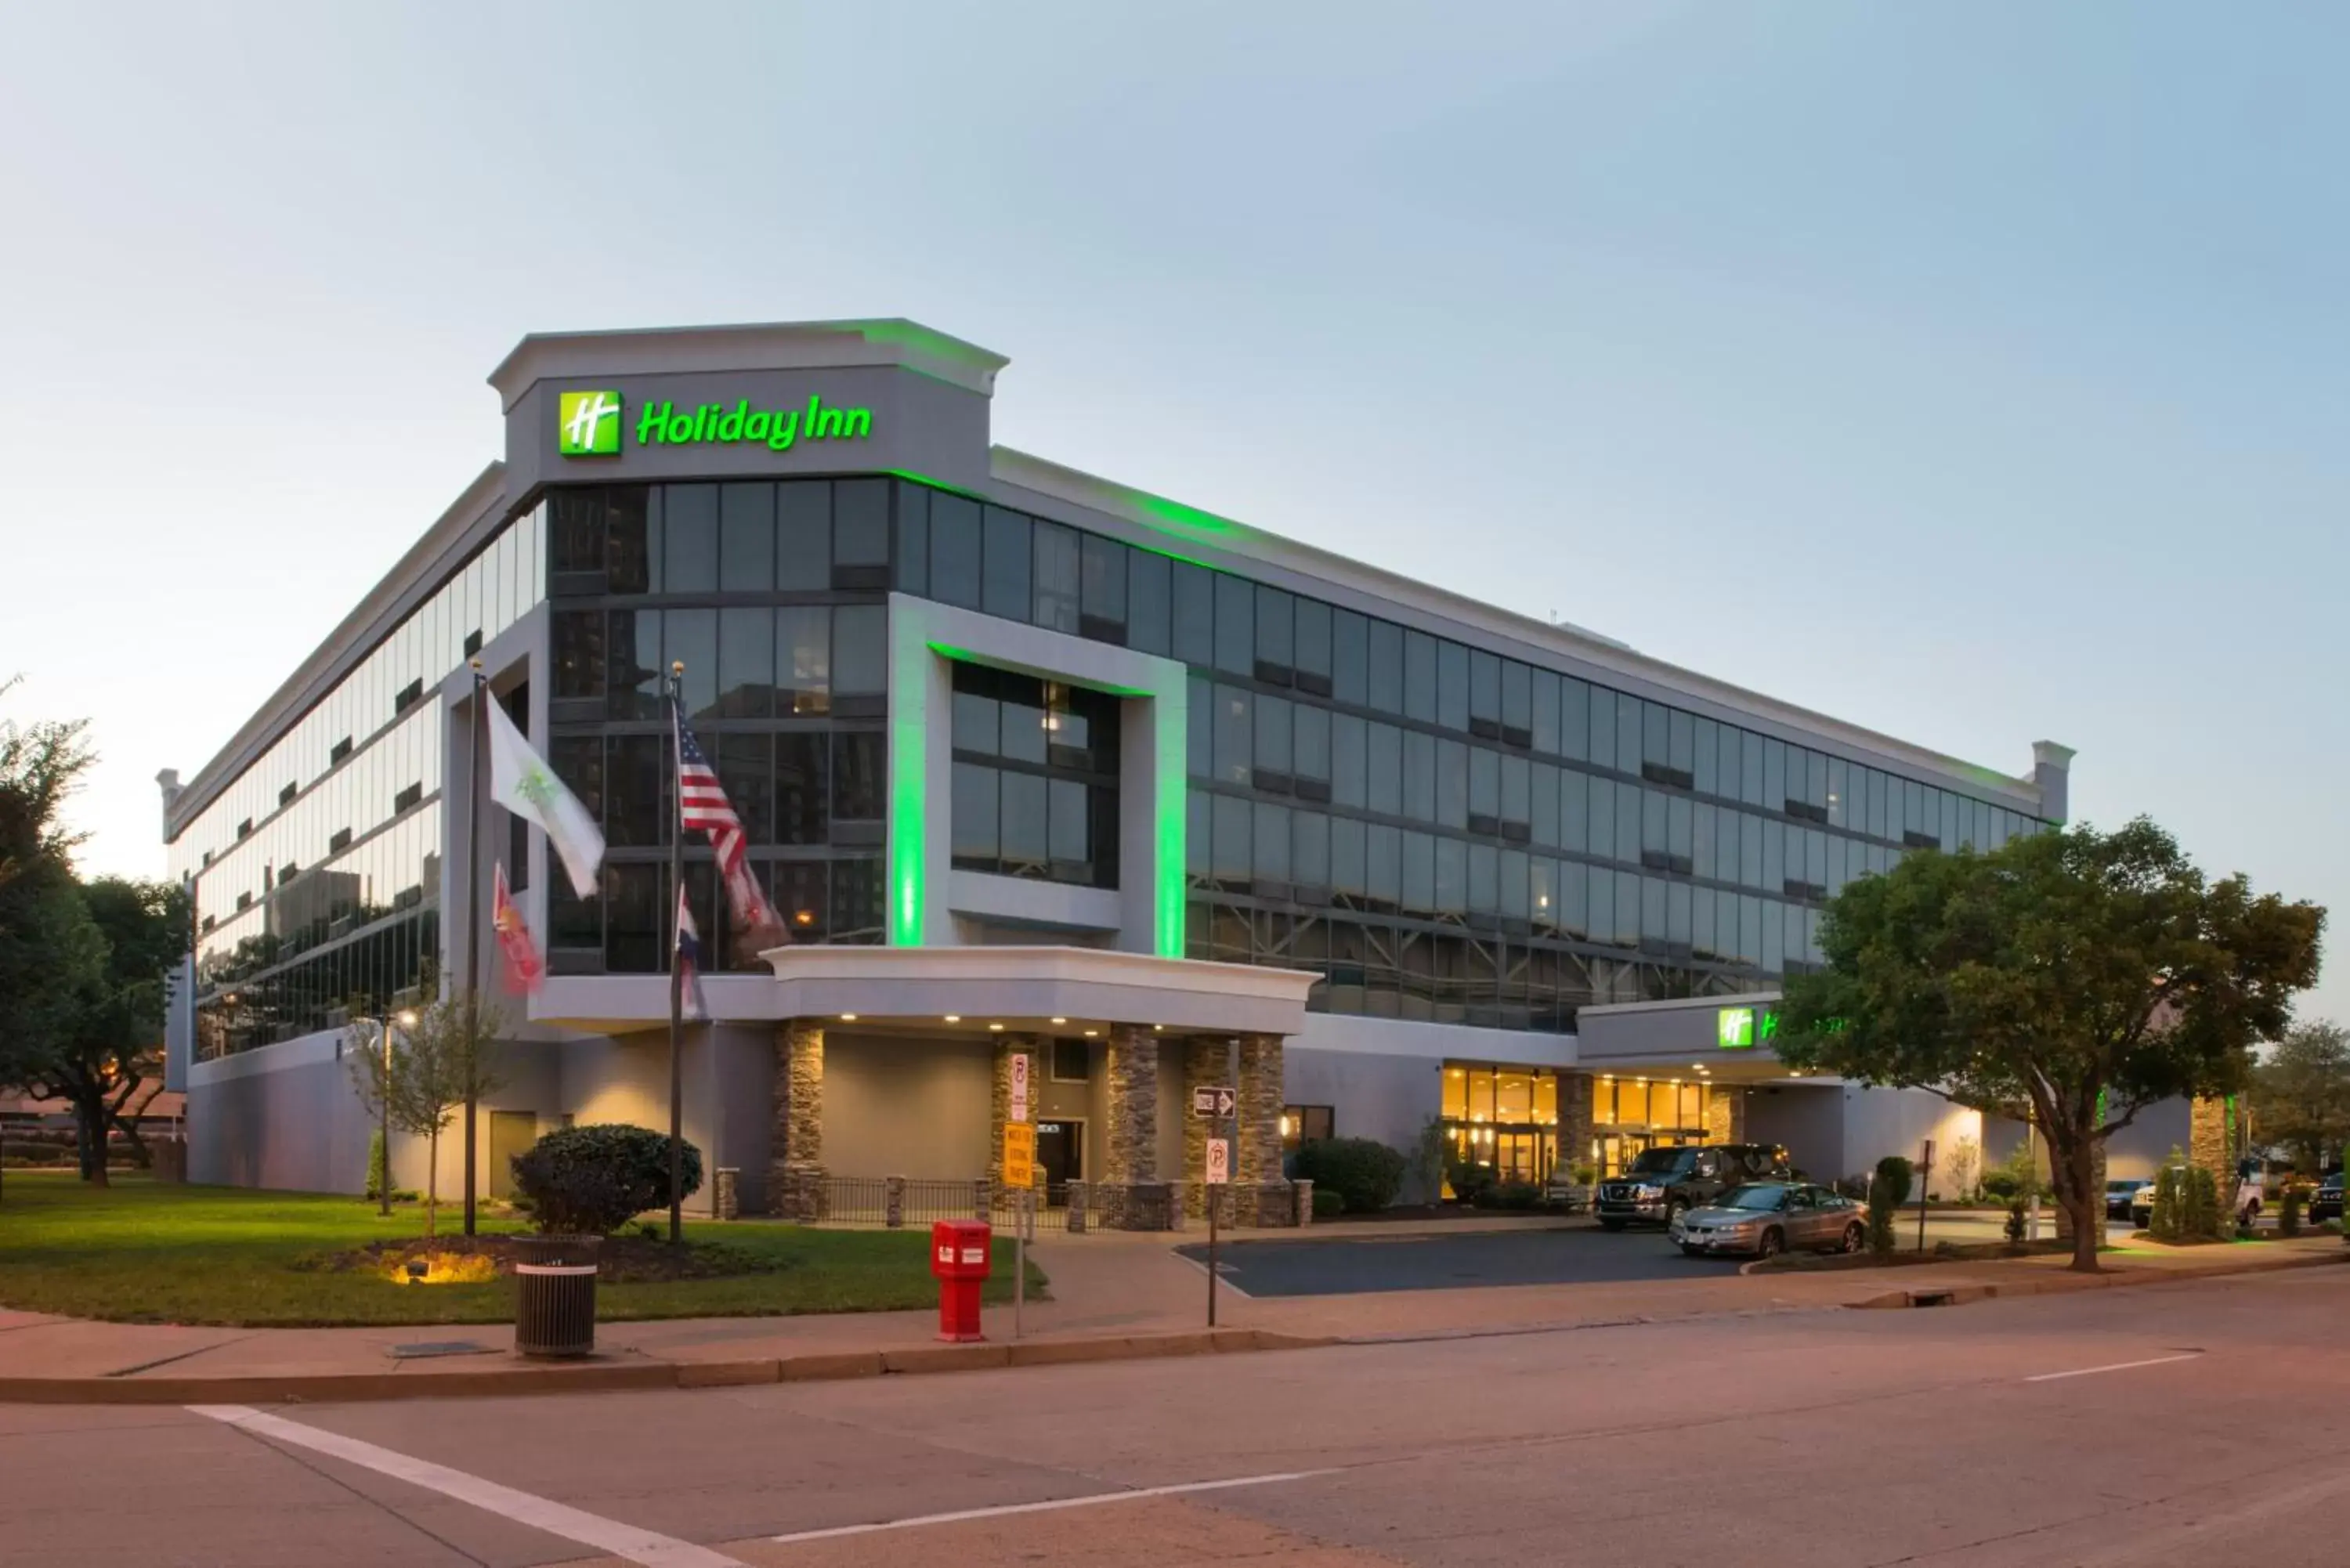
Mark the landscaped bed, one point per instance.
(141, 1252)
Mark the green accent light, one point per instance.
(777, 429)
(587, 424)
(908, 808)
(1173, 734)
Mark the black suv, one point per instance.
(1662, 1183)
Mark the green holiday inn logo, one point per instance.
(589, 424)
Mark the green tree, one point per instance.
(2080, 975)
(434, 1064)
(109, 1043)
(2301, 1093)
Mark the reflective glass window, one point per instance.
(1055, 577)
(803, 791)
(954, 550)
(1235, 625)
(1311, 652)
(690, 538)
(1102, 588)
(1420, 677)
(860, 774)
(1149, 609)
(1003, 588)
(746, 537)
(803, 535)
(1386, 755)
(861, 533)
(1350, 657)
(1452, 685)
(1236, 735)
(1276, 628)
(1384, 642)
(913, 550)
(633, 664)
(1603, 727)
(1419, 776)
(803, 659)
(1311, 727)
(1349, 761)
(746, 662)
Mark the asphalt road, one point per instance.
(2173, 1427)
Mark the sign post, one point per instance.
(1925, 1175)
(1215, 1104)
(1020, 1174)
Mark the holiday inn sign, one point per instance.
(591, 424)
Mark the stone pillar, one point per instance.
(1257, 1161)
(1725, 1113)
(795, 1167)
(2211, 1146)
(728, 1205)
(1573, 1121)
(1131, 1156)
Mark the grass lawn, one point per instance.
(142, 1252)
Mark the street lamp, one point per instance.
(406, 1019)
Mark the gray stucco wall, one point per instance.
(282, 1116)
(1807, 1121)
(1388, 1098)
(906, 1107)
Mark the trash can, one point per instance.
(958, 1261)
(555, 1294)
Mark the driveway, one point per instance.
(1422, 1262)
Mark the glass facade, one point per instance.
(1502, 1118)
(1445, 833)
(317, 870)
(1035, 778)
(775, 597)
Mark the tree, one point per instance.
(2084, 976)
(2301, 1093)
(1963, 1160)
(109, 1039)
(432, 1068)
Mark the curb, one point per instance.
(1965, 1292)
(353, 1387)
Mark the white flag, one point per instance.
(522, 782)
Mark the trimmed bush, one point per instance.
(1327, 1205)
(2016, 1224)
(1365, 1173)
(2201, 1218)
(377, 1176)
(2003, 1185)
(1469, 1182)
(1888, 1190)
(591, 1181)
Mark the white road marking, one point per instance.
(2116, 1366)
(1135, 1495)
(1224, 1272)
(609, 1535)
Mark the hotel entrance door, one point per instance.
(1061, 1156)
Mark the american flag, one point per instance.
(706, 810)
(689, 956)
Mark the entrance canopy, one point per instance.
(1030, 988)
(1705, 1038)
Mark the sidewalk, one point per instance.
(1117, 1296)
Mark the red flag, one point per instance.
(525, 970)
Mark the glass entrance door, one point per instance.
(1618, 1150)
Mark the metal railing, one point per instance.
(895, 1202)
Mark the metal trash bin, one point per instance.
(555, 1294)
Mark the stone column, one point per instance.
(1131, 1153)
(795, 1165)
(1257, 1161)
(1725, 1113)
(1573, 1120)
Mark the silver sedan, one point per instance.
(1768, 1217)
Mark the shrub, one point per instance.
(2164, 1222)
(1468, 1182)
(2201, 1218)
(591, 1181)
(1365, 1174)
(1887, 1192)
(2003, 1185)
(1327, 1205)
(1516, 1195)
(2015, 1221)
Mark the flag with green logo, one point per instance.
(521, 781)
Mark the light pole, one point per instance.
(406, 1020)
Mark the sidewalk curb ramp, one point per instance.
(1961, 1292)
(518, 1379)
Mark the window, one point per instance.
(1102, 589)
(1072, 1062)
(689, 539)
(1277, 626)
(803, 532)
(803, 660)
(1056, 575)
(746, 537)
(1307, 1123)
(860, 651)
(1195, 613)
(1236, 625)
(1148, 606)
(954, 550)
(913, 551)
(803, 788)
(1350, 657)
(861, 534)
(1005, 565)
(1313, 648)
(861, 775)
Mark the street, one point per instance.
(2162, 1425)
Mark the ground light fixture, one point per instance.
(997, 1028)
(1059, 1020)
(849, 1018)
(954, 1018)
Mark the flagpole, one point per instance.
(473, 928)
(676, 973)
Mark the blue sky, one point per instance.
(1972, 372)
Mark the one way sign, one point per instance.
(1213, 1100)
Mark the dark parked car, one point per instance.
(2325, 1203)
(2119, 1193)
(1663, 1183)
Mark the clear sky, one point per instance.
(1973, 372)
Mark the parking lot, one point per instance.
(1575, 1252)
(1580, 1254)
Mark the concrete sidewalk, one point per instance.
(1115, 1296)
